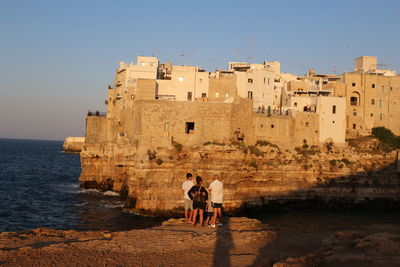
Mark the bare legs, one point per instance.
(201, 214)
(188, 215)
(217, 214)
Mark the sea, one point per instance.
(39, 187)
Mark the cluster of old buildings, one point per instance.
(155, 105)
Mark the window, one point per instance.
(354, 126)
(250, 80)
(226, 95)
(372, 114)
(203, 95)
(325, 82)
(353, 84)
(180, 79)
(391, 88)
(250, 95)
(307, 124)
(354, 113)
(372, 101)
(166, 127)
(373, 85)
(132, 96)
(264, 79)
(216, 94)
(334, 109)
(295, 104)
(380, 103)
(272, 126)
(353, 101)
(381, 116)
(333, 122)
(261, 126)
(268, 80)
(189, 96)
(189, 127)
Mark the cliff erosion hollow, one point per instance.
(263, 175)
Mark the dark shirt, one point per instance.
(195, 189)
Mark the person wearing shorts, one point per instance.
(216, 189)
(188, 203)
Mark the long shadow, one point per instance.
(373, 190)
(223, 245)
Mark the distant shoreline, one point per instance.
(28, 139)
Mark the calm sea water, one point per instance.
(39, 187)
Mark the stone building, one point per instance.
(372, 97)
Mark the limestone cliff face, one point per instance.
(73, 144)
(252, 176)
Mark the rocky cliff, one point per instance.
(73, 144)
(253, 176)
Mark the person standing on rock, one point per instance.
(199, 195)
(216, 189)
(186, 186)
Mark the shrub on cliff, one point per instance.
(388, 139)
(254, 150)
(177, 146)
(265, 143)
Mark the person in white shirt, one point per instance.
(216, 189)
(186, 186)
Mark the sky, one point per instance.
(58, 57)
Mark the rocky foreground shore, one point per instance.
(239, 242)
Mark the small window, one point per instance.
(307, 124)
(394, 103)
(354, 113)
(334, 109)
(372, 101)
(272, 126)
(189, 127)
(373, 85)
(353, 84)
(189, 96)
(354, 126)
(265, 79)
(166, 127)
(216, 94)
(268, 80)
(250, 80)
(132, 96)
(250, 95)
(381, 116)
(391, 88)
(203, 95)
(295, 104)
(325, 82)
(372, 114)
(333, 122)
(380, 103)
(353, 101)
(261, 126)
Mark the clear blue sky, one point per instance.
(57, 57)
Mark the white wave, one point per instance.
(81, 204)
(91, 190)
(111, 193)
(113, 206)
